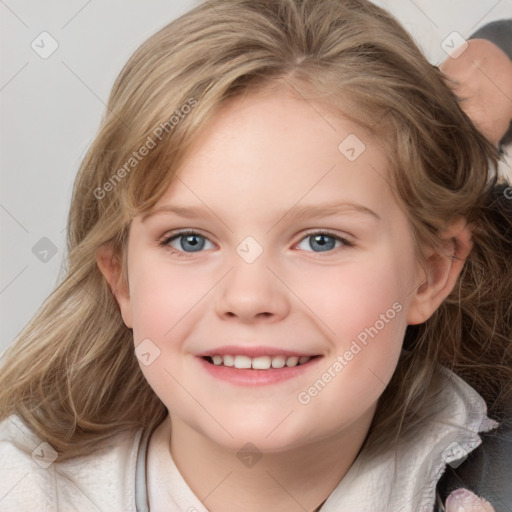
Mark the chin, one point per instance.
(265, 436)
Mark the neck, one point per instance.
(296, 480)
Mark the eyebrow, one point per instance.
(297, 212)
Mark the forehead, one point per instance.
(276, 147)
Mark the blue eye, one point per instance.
(187, 242)
(323, 242)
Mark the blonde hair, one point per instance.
(72, 375)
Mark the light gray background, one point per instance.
(51, 109)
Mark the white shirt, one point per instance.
(505, 163)
(398, 480)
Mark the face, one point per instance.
(280, 243)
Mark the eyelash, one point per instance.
(173, 236)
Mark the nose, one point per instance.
(252, 292)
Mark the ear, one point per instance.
(443, 269)
(111, 267)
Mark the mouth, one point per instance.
(274, 362)
(257, 369)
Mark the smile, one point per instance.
(258, 363)
(258, 370)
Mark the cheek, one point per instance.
(362, 309)
(372, 324)
(351, 298)
(368, 326)
(160, 297)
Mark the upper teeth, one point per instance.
(259, 363)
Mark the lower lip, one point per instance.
(249, 377)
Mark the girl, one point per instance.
(288, 285)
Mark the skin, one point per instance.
(465, 501)
(261, 155)
(482, 78)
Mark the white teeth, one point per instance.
(259, 363)
(278, 361)
(242, 362)
(228, 360)
(292, 361)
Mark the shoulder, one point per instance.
(482, 465)
(488, 470)
(402, 476)
(23, 483)
(498, 32)
(453, 423)
(33, 478)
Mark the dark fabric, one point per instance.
(498, 32)
(487, 471)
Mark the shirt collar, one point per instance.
(404, 478)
